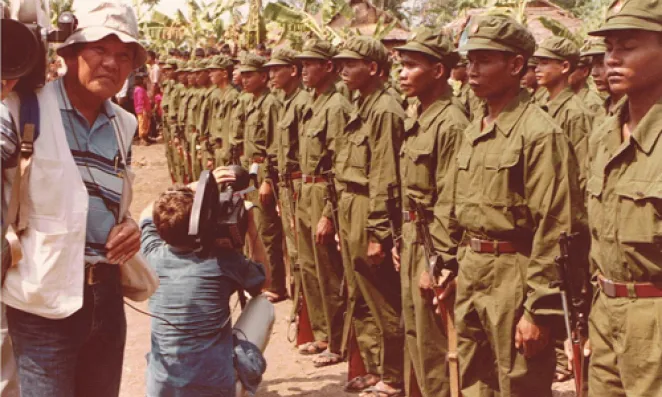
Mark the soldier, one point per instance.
(624, 206)
(168, 84)
(516, 189)
(239, 120)
(431, 139)
(183, 140)
(579, 84)
(219, 110)
(557, 59)
(472, 104)
(367, 168)
(172, 115)
(323, 123)
(262, 116)
(529, 81)
(596, 50)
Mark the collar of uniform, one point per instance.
(583, 92)
(366, 104)
(289, 98)
(436, 108)
(553, 105)
(511, 114)
(257, 101)
(322, 99)
(649, 128)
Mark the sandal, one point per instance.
(311, 348)
(562, 374)
(326, 359)
(361, 383)
(274, 297)
(379, 390)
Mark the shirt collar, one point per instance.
(365, 104)
(649, 128)
(431, 113)
(554, 105)
(65, 103)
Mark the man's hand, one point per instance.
(375, 253)
(567, 345)
(325, 231)
(530, 338)
(123, 242)
(266, 193)
(396, 258)
(445, 294)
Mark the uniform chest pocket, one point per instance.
(358, 150)
(502, 177)
(418, 165)
(594, 188)
(639, 209)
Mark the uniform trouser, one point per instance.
(626, 338)
(193, 152)
(271, 231)
(425, 338)
(168, 148)
(177, 161)
(375, 303)
(322, 269)
(489, 303)
(8, 369)
(288, 204)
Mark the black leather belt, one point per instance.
(101, 273)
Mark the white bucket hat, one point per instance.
(109, 17)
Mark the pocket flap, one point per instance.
(594, 185)
(417, 153)
(503, 160)
(639, 190)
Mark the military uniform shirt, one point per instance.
(288, 133)
(261, 122)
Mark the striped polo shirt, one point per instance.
(96, 152)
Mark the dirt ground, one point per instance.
(288, 373)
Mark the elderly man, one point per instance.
(64, 302)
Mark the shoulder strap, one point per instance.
(29, 131)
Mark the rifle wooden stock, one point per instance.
(356, 366)
(448, 319)
(304, 329)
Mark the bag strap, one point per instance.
(126, 184)
(29, 131)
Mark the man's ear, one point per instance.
(518, 64)
(567, 68)
(375, 69)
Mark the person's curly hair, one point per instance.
(172, 214)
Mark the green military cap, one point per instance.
(318, 49)
(364, 48)
(219, 62)
(252, 63)
(282, 57)
(435, 44)
(532, 62)
(499, 33)
(632, 14)
(462, 61)
(559, 48)
(594, 47)
(190, 66)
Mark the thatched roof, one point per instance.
(534, 11)
(366, 16)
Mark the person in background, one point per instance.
(157, 111)
(143, 109)
(153, 72)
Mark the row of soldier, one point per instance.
(381, 200)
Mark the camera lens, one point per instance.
(20, 49)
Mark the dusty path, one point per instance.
(288, 373)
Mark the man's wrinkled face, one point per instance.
(314, 71)
(282, 76)
(418, 73)
(254, 82)
(357, 73)
(492, 73)
(102, 66)
(633, 60)
(550, 71)
(599, 73)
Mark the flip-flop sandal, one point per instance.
(376, 391)
(327, 358)
(360, 383)
(311, 349)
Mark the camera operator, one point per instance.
(64, 301)
(191, 353)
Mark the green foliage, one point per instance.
(57, 7)
(558, 29)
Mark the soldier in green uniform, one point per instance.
(323, 122)
(516, 190)
(261, 125)
(472, 104)
(431, 140)
(238, 119)
(195, 119)
(182, 140)
(624, 207)
(171, 113)
(530, 82)
(596, 50)
(557, 59)
(579, 83)
(219, 108)
(367, 168)
(168, 84)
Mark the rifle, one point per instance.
(575, 299)
(447, 275)
(394, 219)
(332, 197)
(272, 173)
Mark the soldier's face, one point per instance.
(419, 74)
(101, 67)
(282, 76)
(357, 73)
(216, 76)
(236, 77)
(314, 71)
(550, 72)
(529, 80)
(203, 78)
(493, 73)
(599, 73)
(459, 73)
(634, 61)
(192, 78)
(181, 77)
(254, 82)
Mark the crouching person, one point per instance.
(192, 343)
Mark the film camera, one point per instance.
(25, 36)
(220, 217)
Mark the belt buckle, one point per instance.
(91, 278)
(608, 287)
(475, 245)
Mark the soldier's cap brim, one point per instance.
(477, 43)
(545, 53)
(277, 62)
(625, 22)
(413, 46)
(592, 53)
(349, 54)
(312, 55)
(247, 68)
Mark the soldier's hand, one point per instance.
(444, 294)
(530, 339)
(266, 193)
(325, 231)
(567, 345)
(396, 258)
(375, 253)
